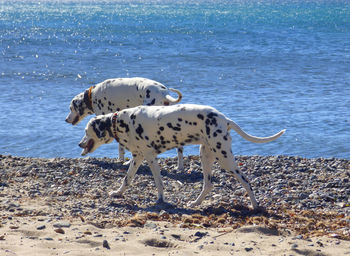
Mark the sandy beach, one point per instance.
(41, 236)
(61, 207)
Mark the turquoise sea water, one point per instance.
(268, 65)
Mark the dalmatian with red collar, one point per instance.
(120, 93)
(147, 131)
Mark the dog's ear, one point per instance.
(101, 126)
(77, 103)
(108, 121)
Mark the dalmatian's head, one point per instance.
(78, 109)
(97, 132)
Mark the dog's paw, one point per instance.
(116, 193)
(193, 204)
(127, 162)
(160, 201)
(162, 204)
(180, 168)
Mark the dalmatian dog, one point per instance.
(149, 130)
(120, 93)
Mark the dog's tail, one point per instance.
(171, 99)
(234, 126)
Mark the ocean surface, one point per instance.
(268, 65)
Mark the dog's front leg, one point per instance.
(207, 160)
(152, 162)
(134, 165)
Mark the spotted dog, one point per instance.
(149, 131)
(118, 94)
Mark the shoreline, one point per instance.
(305, 201)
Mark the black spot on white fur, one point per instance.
(100, 127)
(139, 131)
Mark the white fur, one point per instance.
(148, 131)
(120, 93)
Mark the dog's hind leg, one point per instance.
(226, 160)
(228, 163)
(134, 165)
(152, 162)
(180, 158)
(207, 159)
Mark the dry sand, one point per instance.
(45, 235)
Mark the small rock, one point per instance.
(62, 224)
(294, 246)
(150, 225)
(59, 230)
(41, 227)
(105, 244)
(200, 234)
(178, 237)
(320, 243)
(163, 214)
(248, 249)
(298, 237)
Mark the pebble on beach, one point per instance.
(308, 196)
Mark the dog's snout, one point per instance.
(68, 119)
